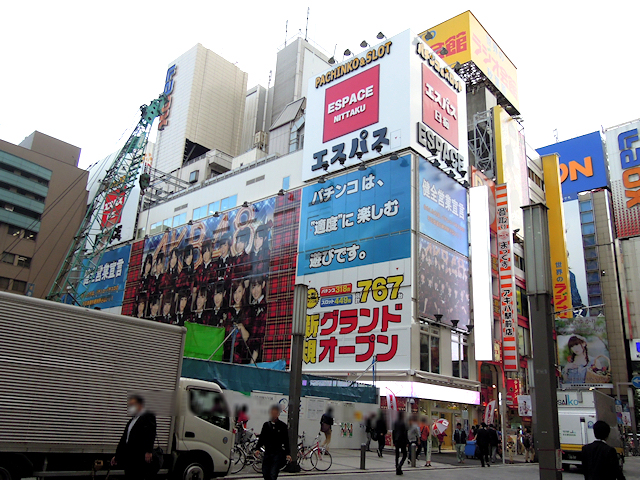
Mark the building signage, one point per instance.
(113, 206)
(439, 106)
(359, 218)
(443, 70)
(104, 286)
(168, 92)
(352, 65)
(582, 164)
(623, 148)
(440, 150)
(634, 350)
(373, 325)
(508, 309)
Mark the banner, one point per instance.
(202, 341)
(443, 283)
(583, 351)
(230, 271)
(525, 407)
(358, 315)
(357, 219)
(104, 288)
(575, 254)
(443, 208)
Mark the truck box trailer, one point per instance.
(66, 374)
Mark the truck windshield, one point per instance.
(209, 406)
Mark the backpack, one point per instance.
(424, 433)
(526, 441)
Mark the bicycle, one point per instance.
(318, 456)
(242, 453)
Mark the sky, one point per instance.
(79, 71)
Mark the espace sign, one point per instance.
(369, 105)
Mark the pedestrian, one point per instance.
(326, 421)
(135, 449)
(441, 436)
(274, 437)
(369, 429)
(472, 433)
(482, 442)
(414, 434)
(425, 438)
(527, 443)
(381, 432)
(243, 416)
(599, 460)
(493, 442)
(400, 441)
(460, 442)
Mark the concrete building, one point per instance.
(257, 117)
(205, 110)
(43, 195)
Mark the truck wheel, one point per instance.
(193, 468)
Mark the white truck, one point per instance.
(66, 373)
(578, 410)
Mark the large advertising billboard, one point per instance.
(443, 208)
(623, 151)
(104, 288)
(356, 219)
(234, 272)
(465, 39)
(582, 164)
(370, 104)
(575, 254)
(443, 283)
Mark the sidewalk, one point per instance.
(348, 461)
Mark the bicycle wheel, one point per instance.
(257, 463)
(321, 459)
(304, 460)
(238, 460)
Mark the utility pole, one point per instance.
(546, 433)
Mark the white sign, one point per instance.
(525, 409)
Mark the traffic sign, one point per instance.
(636, 381)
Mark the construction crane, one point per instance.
(99, 228)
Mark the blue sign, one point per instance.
(359, 218)
(635, 381)
(105, 287)
(443, 208)
(582, 164)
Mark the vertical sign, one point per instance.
(508, 312)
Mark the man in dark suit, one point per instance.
(484, 443)
(135, 450)
(274, 437)
(599, 460)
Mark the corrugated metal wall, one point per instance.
(66, 373)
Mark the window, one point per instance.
(193, 176)
(590, 253)
(589, 240)
(586, 217)
(591, 265)
(229, 202)
(24, 262)
(210, 407)
(430, 350)
(593, 277)
(588, 228)
(523, 303)
(29, 235)
(19, 286)
(8, 258)
(4, 283)
(285, 183)
(213, 208)
(459, 355)
(155, 228)
(524, 341)
(594, 289)
(518, 261)
(179, 220)
(200, 212)
(15, 231)
(167, 223)
(586, 206)
(595, 300)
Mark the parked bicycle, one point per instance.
(313, 456)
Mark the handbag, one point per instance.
(157, 458)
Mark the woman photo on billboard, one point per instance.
(575, 371)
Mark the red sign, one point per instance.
(335, 290)
(113, 205)
(439, 106)
(513, 390)
(352, 104)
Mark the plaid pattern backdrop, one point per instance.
(282, 277)
(133, 275)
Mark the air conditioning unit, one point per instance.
(261, 140)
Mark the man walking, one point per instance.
(482, 441)
(274, 437)
(494, 440)
(400, 440)
(381, 432)
(460, 442)
(135, 449)
(599, 460)
(326, 421)
(369, 429)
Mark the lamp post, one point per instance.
(538, 276)
(298, 326)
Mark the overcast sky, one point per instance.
(79, 70)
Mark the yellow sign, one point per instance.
(557, 242)
(312, 298)
(466, 40)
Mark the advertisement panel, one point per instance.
(359, 314)
(511, 163)
(369, 105)
(582, 164)
(466, 40)
(104, 288)
(575, 254)
(476, 179)
(583, 351)
(358, 218)
(623, 151)
(443, 208)
(557, 245)
(443, 283)
(506, 272)
(232, 272)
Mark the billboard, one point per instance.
(104, 287)
(575, 254)
(234, 272)
(583, 351)
(582, 164)
(443, 283)
(359, 314)
(356, 219)
(623, 151)
(443, 208)
(369, 105)
(466, 40)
